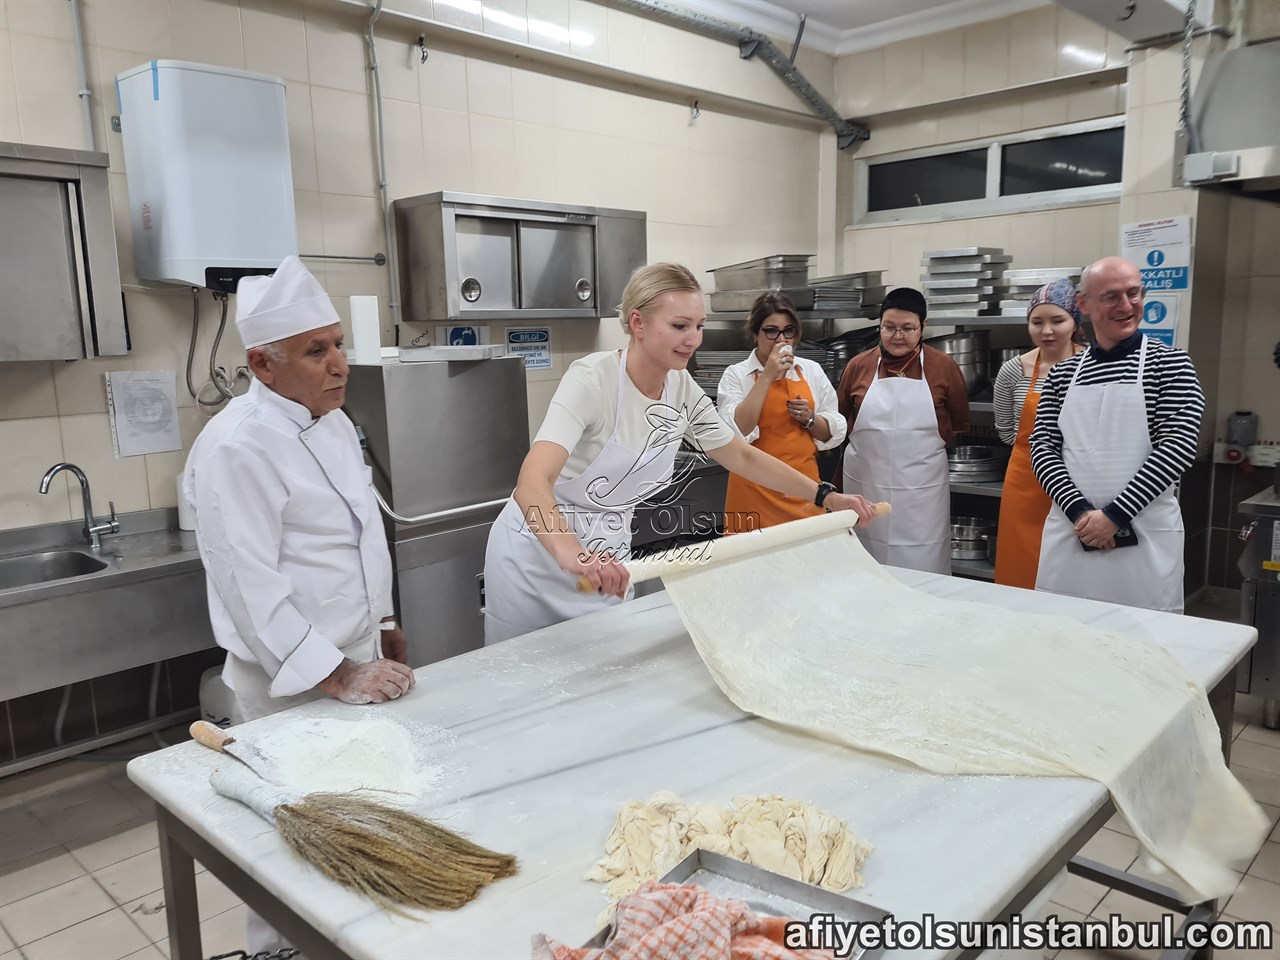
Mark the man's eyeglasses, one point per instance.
(1112, 297)
(773, 333)
(892, 332)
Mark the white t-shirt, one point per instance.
(584, 410)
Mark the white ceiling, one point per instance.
(846, 26)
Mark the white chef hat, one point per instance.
(289, 302)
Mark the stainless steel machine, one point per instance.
(445, 439)
(1259, 674)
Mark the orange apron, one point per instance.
(1023, 504)
(749, 506)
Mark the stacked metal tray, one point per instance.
(766, 894)
(963, 281)
(1021, 285)
(709, 365)
(777, 271)
(977, 463)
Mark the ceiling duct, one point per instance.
(750, 44)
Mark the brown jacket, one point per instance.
(946, 383)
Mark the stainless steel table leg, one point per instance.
(178, 871)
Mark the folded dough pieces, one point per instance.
(795, 839)
(969, 688)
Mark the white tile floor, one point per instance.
(80, 868)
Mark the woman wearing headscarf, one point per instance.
(781, 404)
(1053, 320)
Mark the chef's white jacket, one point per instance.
(294, 550)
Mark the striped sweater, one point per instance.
(1175, 404)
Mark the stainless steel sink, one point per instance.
(44, 567)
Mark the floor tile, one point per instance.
(148, 912)
(115, 843)
(1255, 899)
(1113, 849)
(87, 819)
(22, 835)
(1272, 954)
(11, 955)
(1259, 756)
(1257, 733)
(1079, 895)
(108, 936)
(6, 942)
(1130, 908)
(51, 910)
(131, 878)
(1275, 833)
(225, 932)
(53, 803)
(149, 952)
(22, 878)
(1247, 706)
(1266, 865)
(136, 795)
(1237, 727)
(163, 947)
(1262, 786)
(1119, 824)
(1153, 872)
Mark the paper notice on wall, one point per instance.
(1161, 249)
(143, 405)
(1160, 317)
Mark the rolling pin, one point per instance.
(742, 545)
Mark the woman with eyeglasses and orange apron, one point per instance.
(1053, 320)
(781, 404)
(905, 403)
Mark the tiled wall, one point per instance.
(716, 189)
(921, 75)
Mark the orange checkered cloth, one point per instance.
(668, 921)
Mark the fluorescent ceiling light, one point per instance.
(576, 38)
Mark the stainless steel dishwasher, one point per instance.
(445, 439)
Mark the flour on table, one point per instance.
(373, 753)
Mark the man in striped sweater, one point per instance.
(1115, 430)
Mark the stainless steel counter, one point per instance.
(1264, 504)
(146, 604)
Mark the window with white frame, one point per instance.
(1033, 170)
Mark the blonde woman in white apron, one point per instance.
(608, 443)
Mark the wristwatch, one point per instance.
(823, 489)
(388, 625)
(809, 425)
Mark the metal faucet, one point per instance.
(93, 530)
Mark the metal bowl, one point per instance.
(973, 452)
(972, 341)
(971, 528)
(1001, 355)
(968, 550)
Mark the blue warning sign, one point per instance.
(1155, 258)
(1154, 313)
(1166, 278)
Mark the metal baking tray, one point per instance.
(970, 253)
(972, 285)
(1043, 273)
(868, 278)
(728, 301)
(780, 270)
(957, 275)
(766, 893)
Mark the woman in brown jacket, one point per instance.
(905, 403)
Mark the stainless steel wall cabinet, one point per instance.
(469, 257)
(58, 268)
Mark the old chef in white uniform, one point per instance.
(299, 575)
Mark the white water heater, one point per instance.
(206, 154)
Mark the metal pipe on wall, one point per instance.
(751, 43)
(393, 279)
(85, 94)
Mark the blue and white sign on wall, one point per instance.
(461, 336)
(532, 343)
(1160, 317)
(1162, 251)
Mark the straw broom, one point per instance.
(393, 857)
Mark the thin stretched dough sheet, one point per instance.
(968, 688)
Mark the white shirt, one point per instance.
(584, 410)
(295, 553)
(738, 380)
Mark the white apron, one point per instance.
(895, 453)
(525, 589)
(1105, 441)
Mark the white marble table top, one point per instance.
(550, 734)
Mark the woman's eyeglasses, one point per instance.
(773, 333)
